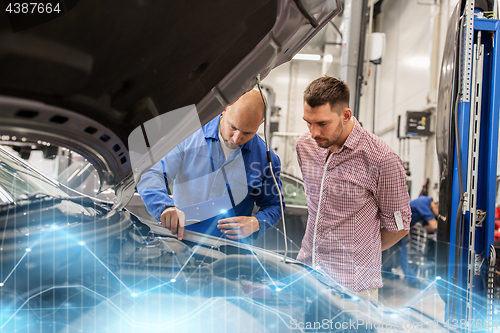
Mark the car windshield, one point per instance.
(293, 191)
(16, 180)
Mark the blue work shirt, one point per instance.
(421, 210)
(197, 171)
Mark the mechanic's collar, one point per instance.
(211, 131)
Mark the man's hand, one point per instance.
(239, 226)
(173, 219)
(391, 238)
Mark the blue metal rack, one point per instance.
(465, 302)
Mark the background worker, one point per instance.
(425, 211)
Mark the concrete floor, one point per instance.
(397, 294)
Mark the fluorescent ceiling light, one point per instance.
(302, 56)
(328, 58)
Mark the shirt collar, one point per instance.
(354, 137)
(211, 131)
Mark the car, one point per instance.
(81, 176)
(295, 217)
(122, 83)
(71, 262)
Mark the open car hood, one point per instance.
(87, 79)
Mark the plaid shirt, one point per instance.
(365, 184)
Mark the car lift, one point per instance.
(471, 220)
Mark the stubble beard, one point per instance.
(229, 144)
(328, 143)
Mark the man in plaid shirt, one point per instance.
(357, 199)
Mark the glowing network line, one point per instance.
(12, 271)
(211, 302)
(277, 312)
(106, 299)
(201, 306)
(155, 277)
(162, 285)
(81, 243)
(457, 293)
(359, 313)
(171, 250)
(418, 296)
(109, 270)
(173, 280)
(60, 287)
(263, 268)
(194, 312)
(262, 306)
(300, 278)
(27, 250)
(282, 315)
(288, 238)
(122, 283)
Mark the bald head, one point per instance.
(241, 120)
(250, 103)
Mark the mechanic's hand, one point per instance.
(173, 219)
(239, 226)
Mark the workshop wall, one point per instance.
(407, 80)
(289, 82)
(402, 79)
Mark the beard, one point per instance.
(230, 145)
(328, 142)
(325, 143)
(227, 143)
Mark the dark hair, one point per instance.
(327, 89)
